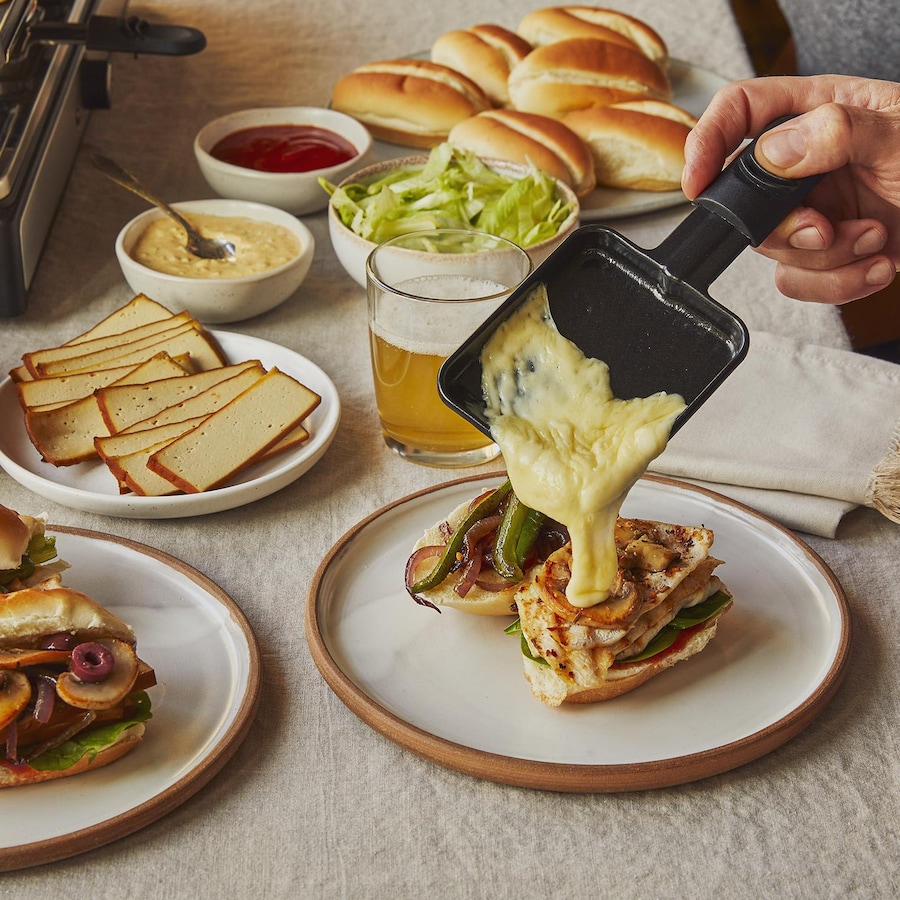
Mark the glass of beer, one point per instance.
(427, 292)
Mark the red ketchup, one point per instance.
(284, 148)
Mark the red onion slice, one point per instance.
(12, 741)
(46, 699)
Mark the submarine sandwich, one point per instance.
(72, 687)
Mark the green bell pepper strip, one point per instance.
(486, 507)
(528, 535)
(515, 538)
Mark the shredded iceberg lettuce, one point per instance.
(454, 189)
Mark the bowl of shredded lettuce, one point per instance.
(450, 188)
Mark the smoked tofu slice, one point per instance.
(237, 435)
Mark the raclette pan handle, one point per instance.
(741, 208)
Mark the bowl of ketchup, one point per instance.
(276, 155)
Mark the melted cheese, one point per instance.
(571, 448)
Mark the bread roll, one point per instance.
(124, 743)
(478, 600)
(549, 688)
(573, 74)
(408, 101)
(529, 139)
(636, 145)
(558, 23)
(14, 537)
(484, 53)
(28, 615)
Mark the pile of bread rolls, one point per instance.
(580, 92)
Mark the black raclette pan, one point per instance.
(647, 313)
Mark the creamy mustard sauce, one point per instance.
(572, 450)
(259, 246)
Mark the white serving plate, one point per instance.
(92, 488)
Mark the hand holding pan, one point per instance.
(647, 313)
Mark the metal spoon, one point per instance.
(205, 248)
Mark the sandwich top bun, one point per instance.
(558, 78)
(638, 145)
(29, 615)
(15, 533)
(558, 23)
(529, 139)
(408, 101)
(484, 53)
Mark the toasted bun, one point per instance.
(558, 23)
(14, 776)
(31, 614)
(580, 72)
(484, 53)
(530, 139)
(478, 601)
(551, 689)
(408, 101)
(637, 145)
(15, 533)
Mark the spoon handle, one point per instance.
(123, 177)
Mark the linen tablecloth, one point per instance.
(315, 803)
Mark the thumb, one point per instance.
(825, 139)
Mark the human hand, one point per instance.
(844, 243)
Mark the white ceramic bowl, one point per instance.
(353, 250)
(218, 300)
(296, 192)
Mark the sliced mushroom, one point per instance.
(15, 692)
(647, 556)
(109, 692)
(18, 659)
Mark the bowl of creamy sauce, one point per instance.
(273, 254)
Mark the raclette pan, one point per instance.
(647, 313)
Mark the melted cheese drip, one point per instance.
(572, 449)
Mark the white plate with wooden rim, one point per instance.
(450, 687)
(208, 672)
(91, 487)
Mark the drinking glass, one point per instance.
(427, 292)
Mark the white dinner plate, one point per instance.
(91, 487)
(208, 673)
(450, 687)
(692, 89)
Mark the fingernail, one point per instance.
(881, 272)
(808, 238)
(869, 242)
(783, 148)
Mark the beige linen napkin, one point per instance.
(800, 432)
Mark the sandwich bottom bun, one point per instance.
(551, 688)
(635, 145)
(478, 601)
(17, 775)
(531, 140)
